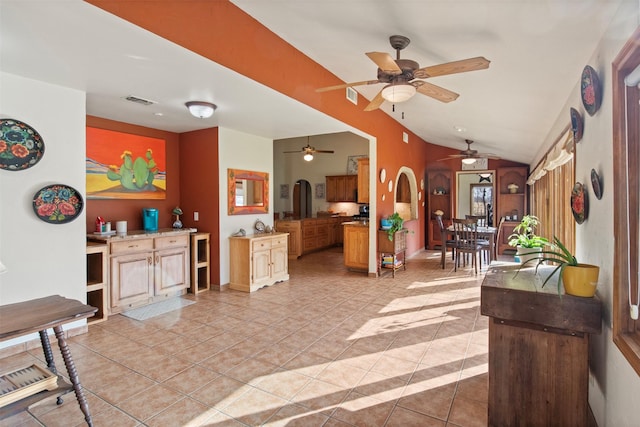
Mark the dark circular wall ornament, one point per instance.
(590, 90)
(20, 145)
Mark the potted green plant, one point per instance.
(578, 279)
(528, 245)
(396, 224)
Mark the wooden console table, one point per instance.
(38, 315)
(392, 248)
(538, 348)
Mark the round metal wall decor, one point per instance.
(57, 204)
(590, 90)
(20, 145)
(579, 203)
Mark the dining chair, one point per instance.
(466, 234)
(446, 243)
(481, 221)
(498, 237)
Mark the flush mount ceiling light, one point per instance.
(468, 160)
(201, 109)
(308, 157)
(398, 92)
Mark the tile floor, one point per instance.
(327, 348)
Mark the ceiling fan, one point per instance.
(469, 156)
(401, 74)
(308, 151)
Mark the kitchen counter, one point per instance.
(138, 234)
(357, 223)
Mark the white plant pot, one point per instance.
(521, 251)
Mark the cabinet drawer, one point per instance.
(171, 241)
(132, 245)
(279, 241)
(259, 245)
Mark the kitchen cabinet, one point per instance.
(363, 180)
(145, 267)
(356, 245)
(509, 202)
(341, 188)
(97, 280)
(258, 260)
(294, 229)
(438, 199)
(538, 348)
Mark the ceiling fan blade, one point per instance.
(436, 92)
(346, 85)
(385, 62)
(297, 151)
(462, 66)
(375, 102)
(324, 151)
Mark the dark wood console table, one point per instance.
(38, 315)
(538, 348)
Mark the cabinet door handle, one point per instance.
(132, 246)
(157, 259)
(172, 241)
(149, 260)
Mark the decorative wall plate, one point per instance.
(577, 126)
(383, 175)
(590, 90)
(579, 203)
(390, 185)
(596, 183)
(20, 145)
(57, 204)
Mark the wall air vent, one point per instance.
(139, 100)
(352, 95)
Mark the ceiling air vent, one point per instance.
(139, 100)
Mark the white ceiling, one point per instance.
(537, 51)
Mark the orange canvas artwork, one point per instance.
(125, 166)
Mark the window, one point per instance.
(626, 211)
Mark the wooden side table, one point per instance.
(395, 248)
(538, 348)
(38, 315)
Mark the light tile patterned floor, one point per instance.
(329, 348)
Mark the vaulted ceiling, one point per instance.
(537, 52)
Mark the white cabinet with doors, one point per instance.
(258, 260)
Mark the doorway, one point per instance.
(302, 199)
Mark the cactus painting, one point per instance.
(125, 166)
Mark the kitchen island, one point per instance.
(356, 245)
(311, 234)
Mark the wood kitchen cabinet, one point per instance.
(356, 245)
(294, 229)
(341, 188)
(538, 348)
(363, 180)
(145, 267)
(258, 260)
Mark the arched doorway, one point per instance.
(302, 199)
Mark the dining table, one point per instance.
(484, 232)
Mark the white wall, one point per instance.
(42, 259)
(238, 150)
(614, 387)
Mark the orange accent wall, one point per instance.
(131, 210)
(200, 190)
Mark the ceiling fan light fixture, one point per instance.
(201, 109)
(468, 160)
(308, 157)
(398, 92)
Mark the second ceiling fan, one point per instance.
(470, 156)
(401, 76)
(308, 151)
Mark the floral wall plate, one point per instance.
(20, 145)
(591, 90)
(57, 204)
(579, 205)
(577, 126)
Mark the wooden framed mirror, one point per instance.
(247, 192)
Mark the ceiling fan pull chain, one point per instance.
(393, 108)
(403, 115)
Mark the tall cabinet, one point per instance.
(511, 201)
(438, 198)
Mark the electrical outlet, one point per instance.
(196, 216)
